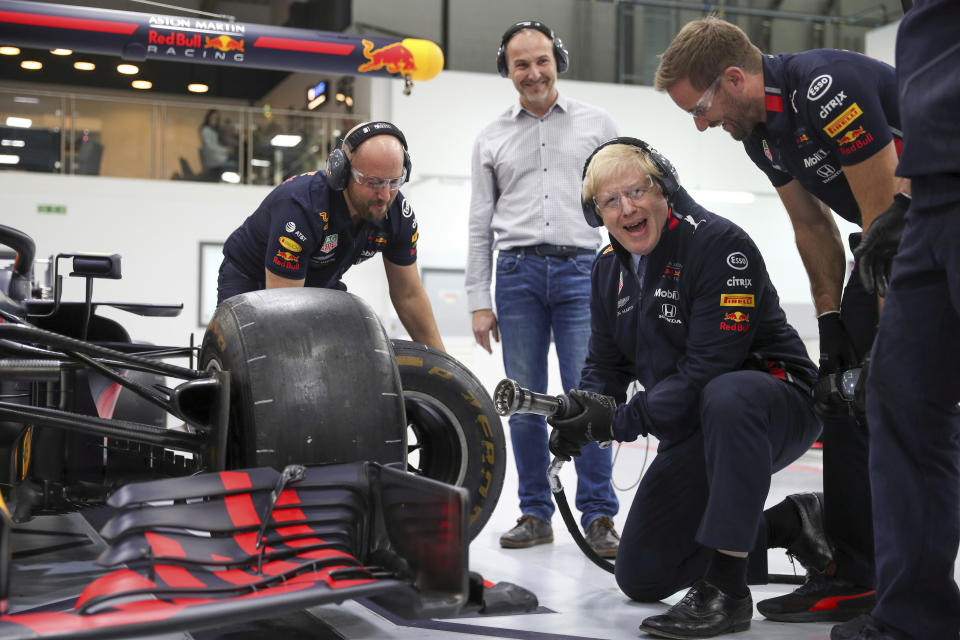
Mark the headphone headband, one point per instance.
(667, 180)
(560, 54)
(338, 164)
(361, 134)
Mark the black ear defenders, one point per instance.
(667, 180)
(559, 53)
(338, 164)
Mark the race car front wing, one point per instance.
(205, 550)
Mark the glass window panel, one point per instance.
(30, 132)
(125, 131)
(200, 143)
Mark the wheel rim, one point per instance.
(435, 439)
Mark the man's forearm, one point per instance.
(416, 316)
(825, 262)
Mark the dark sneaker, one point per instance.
(820, 599)
(811, 547)
(860, 628)
(603, 538)
(528, 532)
(704, 612)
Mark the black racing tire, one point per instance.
(454, 434)
(313, 379)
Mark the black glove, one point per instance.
(836, 348)
(875, 254)
(588, 419)
(834, 395)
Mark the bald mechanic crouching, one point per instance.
(316, 225)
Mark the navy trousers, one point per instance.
(912, 395)
(231, 282)
(707, 490)
(847, 516)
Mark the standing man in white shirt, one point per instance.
(525, 204)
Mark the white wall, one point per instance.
(881, 43)
(156, 227)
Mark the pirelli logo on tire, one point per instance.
(841, 121)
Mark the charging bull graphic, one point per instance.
(140, 36)
(395, 58)
(223, 43)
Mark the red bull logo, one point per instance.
(736, 328)
(803, 138)
(854, 139)
(223, 43)
(395, 58)
(178, 39)
(737, 316)
(851, 135)
(288, 257)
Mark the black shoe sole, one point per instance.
(828, 615)
(743, 626)
(510, 544)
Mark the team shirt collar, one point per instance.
(775, 96)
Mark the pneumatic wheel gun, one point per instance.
(510, 398)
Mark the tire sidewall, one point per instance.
(437, 375)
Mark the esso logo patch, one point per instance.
(290, 227)
(818, 87)
(737, 261)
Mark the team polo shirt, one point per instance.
(928, 62)
(702, 306)
(302, 229)
(826, 109)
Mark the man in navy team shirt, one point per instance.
(313, 227)
(912, 390)
(824, 126)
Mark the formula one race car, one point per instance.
(300, 457)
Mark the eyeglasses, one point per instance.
(610, 202)
(706, 100)
(378, 183)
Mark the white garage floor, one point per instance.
(577, 599)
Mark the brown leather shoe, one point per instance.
(528, 532)
(603, 538)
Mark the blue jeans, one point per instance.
(534, 295)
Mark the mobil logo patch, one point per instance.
(665, 293)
